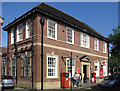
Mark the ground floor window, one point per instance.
(26, 65)
(13, 67)
(97, 68)
(104, 63)
(51, 67)
(69, 66)
(3, 68)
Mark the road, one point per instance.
(95, 88)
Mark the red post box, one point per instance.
(93, 77)
(64, 80)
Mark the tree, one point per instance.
(115, 49)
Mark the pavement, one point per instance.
(86, 85)
(83, 86)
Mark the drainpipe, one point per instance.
(42, 22)
(71, 69)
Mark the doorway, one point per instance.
(85, 73)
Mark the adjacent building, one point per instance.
(3, 51)
(1, 22)
(62, 34)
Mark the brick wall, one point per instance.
(59, 47)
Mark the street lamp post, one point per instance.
(42, 22)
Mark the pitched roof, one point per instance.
(47, 9)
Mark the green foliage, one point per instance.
(25, 87)
(115, 49)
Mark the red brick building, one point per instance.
(62, 34)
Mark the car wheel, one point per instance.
(3, 88)
(115, 85)
(13, 87)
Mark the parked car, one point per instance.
(7, 81)
(111, 81)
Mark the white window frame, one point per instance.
(28, 22)
(18, 33)
(105, 68)
(96, 44)
(12, 67)
(98, 68)
(55, 68)
(85, 40)
(26, 66)
(12, 35)
(104, 47)
(68, 65)
(70, 35)
(53, 30)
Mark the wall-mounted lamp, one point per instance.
(64, 57)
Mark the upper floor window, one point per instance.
(52, 67)
(12, 36)
(104, 47)
(28, 29)
(19, 32)
(70, 35)
(85, 41)
(52, 29)
(96, 44)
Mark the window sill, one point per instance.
(105, 52)
(70, 42)
(96, 50)
(51, 38)
(52, 78)
(84, 47)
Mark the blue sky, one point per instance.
(101, 16)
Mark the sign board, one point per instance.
(103, 63)
(78, 71)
